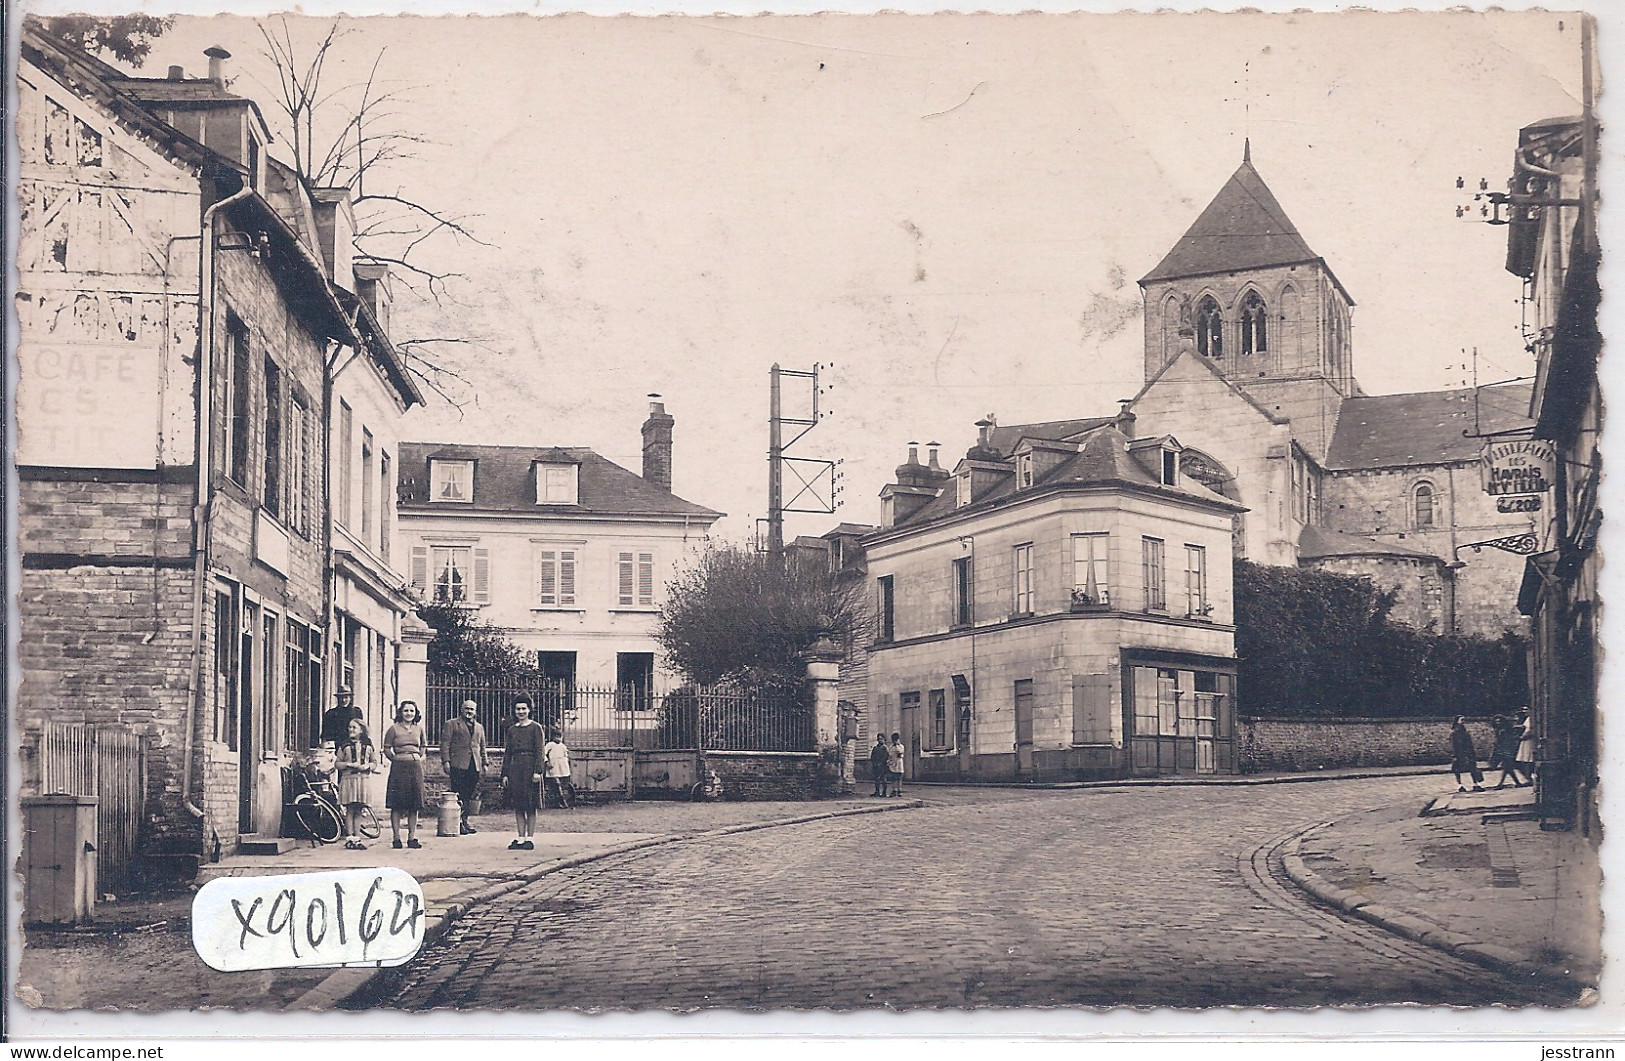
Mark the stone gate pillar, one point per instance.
(412, 663)
(823, 661)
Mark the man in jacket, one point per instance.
(462, 753)
(878, 757)
(336, 719)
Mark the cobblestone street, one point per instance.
(1155, 896)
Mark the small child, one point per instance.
(894, 763)
(556, 760)
(357, 761)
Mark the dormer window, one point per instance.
(557, 484)
(1170, 467)
(962, 497)
(451, 481)
(1024, 470)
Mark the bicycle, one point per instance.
(315, 806)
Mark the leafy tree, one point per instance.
(736, 611)
(464, 644)
(127, 38)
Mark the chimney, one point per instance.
(1124, 420)
(938, 472)
(177, 73)
(217, 64)
(657, 445)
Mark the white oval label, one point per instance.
(302, 920)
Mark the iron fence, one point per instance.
(624, 716)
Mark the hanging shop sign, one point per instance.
(1517, 468)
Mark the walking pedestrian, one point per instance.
(879, 757)
(357, 763)
(1505, 754)
(522, 773)
(462, 753)
(1526, 746)
(1463, 756)
(556, 770)
(404, 747)
(895, 757)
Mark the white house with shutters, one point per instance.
(562, 550)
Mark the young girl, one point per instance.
(357, 761)
(522, 773)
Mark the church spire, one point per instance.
(1247, 149)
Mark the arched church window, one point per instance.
(1254, 329)
(1209, 328)
(1422, 503)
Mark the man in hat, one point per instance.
(336, 720)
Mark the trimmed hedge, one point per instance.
(1312, 644)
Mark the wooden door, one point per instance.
(1024, 726)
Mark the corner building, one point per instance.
(1057, 607)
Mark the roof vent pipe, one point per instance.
(177, 73)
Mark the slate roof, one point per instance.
(1005, 438)
(1318, 543)
(1394, 430)
(1102, 460)
(504, 483)
(1242, 228)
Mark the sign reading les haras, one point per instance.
(1518, 468)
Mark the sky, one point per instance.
(947, 213)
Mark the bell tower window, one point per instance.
(1254, 329)
(1209, 328)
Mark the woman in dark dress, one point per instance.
(1463, 756)
(404, 747)
(522, 773)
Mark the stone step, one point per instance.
(254, 844)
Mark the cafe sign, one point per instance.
(1518, 468)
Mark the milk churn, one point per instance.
(451, 814)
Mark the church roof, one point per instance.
(1318, 543)
(1394, 430)
(1242, 228)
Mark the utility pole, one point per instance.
(775, 465)
(817, 481)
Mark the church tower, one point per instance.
(1242, 290)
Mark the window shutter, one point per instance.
(482, 576)
(420, 569)
(625, 565)
(547, 587)
(646, 578)
(567, 577)
(1091, 709)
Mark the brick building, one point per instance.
(1249, 360)
(176, 321)
(1058, 606)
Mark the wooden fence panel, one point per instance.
(108, 762)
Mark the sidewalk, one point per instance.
(1497, 892)
(139, 955)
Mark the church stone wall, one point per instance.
(1420, 584)
(1293, 335)
(1204, 414)
(1379, 503)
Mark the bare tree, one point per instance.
(350, 137)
